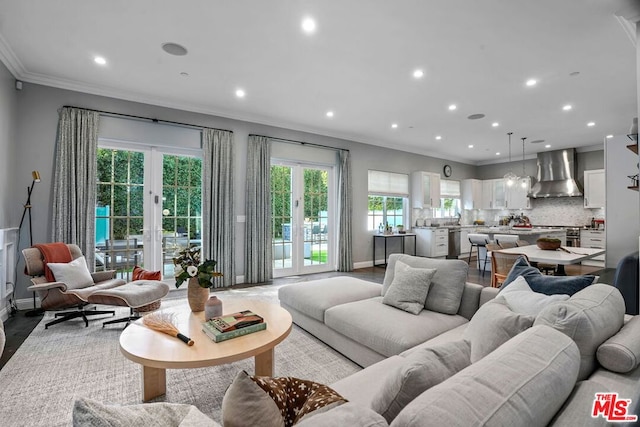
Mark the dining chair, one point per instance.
(506, 239)
(501, 264)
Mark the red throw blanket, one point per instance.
(53, 252)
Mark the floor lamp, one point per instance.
(27, 207)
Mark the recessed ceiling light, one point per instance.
(418, 74)
(547, 146)
(100, 60)
(498, 153)
(495, 124)
(590, 124)
(309, 25)
(452, 107)
(394, 125)
(438, 137)
(329, 113)
(531, 82)
(240, 93)
(174, 49)
(567, 107)
(609, 136)
(470, 145)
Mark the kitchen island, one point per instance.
(528, 234)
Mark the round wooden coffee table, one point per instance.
(157, 352)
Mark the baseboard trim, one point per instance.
(363, 264)
(27, 303)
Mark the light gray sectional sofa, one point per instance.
(467, 358)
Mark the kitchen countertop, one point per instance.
(519, 231)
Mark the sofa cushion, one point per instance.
(522, 383)
(314, 297)
(621, 352)
(422, 370)
(493, 325)
(589, 317)
(244, 403)
(74, 274)
(522, 299)
(542, 283)
(88, 412)
(349, 414)
(447, 284)
(579, 406)
(386, 329)
(409, 288)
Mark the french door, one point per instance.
(148, 207)
(302, 218)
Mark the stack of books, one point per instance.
(233, 325)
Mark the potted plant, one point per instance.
(400, 228)
(199, 274)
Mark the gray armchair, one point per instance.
(58, 296)
(626, 280)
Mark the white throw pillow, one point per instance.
(521, 299)
(74, 274)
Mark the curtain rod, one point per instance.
(131, 116)
(293, 141)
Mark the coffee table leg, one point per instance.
(265, 364)
(154, 382)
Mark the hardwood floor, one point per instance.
(18, 327)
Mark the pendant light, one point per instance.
(523, 178)
(510, 178)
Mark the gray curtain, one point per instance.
(74, 181)
(345, 249)
(218, 216)
(258, 259)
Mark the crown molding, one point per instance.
(10, 60)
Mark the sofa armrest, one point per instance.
(470, 301)
(101, 276)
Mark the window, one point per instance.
(388, 199)
(449, 200)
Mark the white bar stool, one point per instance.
(479, 241)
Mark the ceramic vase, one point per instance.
(197, 295)
(212, 308)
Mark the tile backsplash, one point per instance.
(568, 211)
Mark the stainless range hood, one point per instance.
(556, 175)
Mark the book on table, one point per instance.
(233, 321)
(217, 336)
(233, 325)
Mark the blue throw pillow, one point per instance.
(548, 285)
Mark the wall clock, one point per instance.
(447, 170)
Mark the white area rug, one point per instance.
(55, 366)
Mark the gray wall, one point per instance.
(8, 131)
(38, 117)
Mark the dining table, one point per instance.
(562, 256)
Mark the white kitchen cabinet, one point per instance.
(594, 189)
(518, 196)
(494, 194)
(471, 190)
(593, 239)
(432, 242)
(425, 190)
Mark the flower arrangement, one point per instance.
(188, 265)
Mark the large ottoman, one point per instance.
(139, 295)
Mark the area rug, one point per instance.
(55, 366)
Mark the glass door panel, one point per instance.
(282, 221)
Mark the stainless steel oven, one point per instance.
(573, 236)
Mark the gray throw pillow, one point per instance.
(422, 369)
(88, 412)
(447, 284)
(521, 298)
(549, 285)
(621, 352)
(494, 324)
(409, 288)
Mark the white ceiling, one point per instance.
(359, 63)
